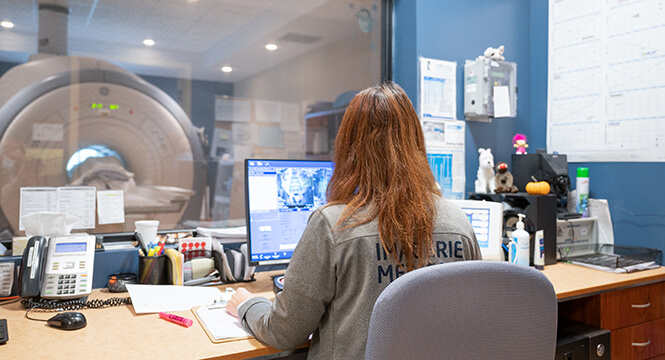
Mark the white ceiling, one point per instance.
(193, 38)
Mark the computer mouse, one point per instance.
(68, 321)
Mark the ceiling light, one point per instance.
(148, 42)
(271, 47)
(227, 69)
(7, 24)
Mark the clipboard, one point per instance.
(219, 332)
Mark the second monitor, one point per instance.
(280, 195)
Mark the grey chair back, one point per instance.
(465, 310)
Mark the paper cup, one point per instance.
(148, 230)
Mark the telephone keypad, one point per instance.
(67, 283)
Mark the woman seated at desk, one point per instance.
(384, 217)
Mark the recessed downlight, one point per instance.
(148, 42)
(271, 47)
(7, 24)
(227, 69)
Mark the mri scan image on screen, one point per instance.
(302, 187)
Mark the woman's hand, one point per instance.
(236, 299)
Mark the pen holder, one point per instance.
(154, 270)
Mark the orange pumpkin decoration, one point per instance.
(538, 187)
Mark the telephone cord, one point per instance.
(57, 305)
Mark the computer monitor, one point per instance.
(280, 195)
(486, 218)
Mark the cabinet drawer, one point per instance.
(632, 306)
(643, 341)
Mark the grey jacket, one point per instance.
(334, 278)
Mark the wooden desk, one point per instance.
(575, 281)
(119, 333)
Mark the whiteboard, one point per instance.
(606, 80)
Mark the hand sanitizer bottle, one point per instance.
(521, 239)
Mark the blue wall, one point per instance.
(458, 30)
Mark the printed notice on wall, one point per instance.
(75, 200)
(37, 199)
(606, 80)
(233, 110)
(110, 207)
(437, 89)
(80, 201)
(445, 153)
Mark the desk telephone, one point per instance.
(57, 268)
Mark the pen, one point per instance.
(176, 319)
(161, 249)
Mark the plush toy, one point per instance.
(519, 142)
(504, 179)
(495, 54)
(485, 181)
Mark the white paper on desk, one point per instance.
(156, 298)
(501, 102)
(220, 323)
(600, 209)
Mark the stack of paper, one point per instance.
(225, 235)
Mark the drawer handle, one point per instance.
(641, 306)
(642, 344)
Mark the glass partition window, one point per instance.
(162, 100)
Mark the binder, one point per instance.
(177, 259)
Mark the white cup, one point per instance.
(148, 230)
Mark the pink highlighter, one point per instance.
(176, 319)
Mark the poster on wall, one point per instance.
(436, 89)
(445, 154)
(606, 80)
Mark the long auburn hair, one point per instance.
(381, 166)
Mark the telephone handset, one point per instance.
(30, 272)
(60, 267)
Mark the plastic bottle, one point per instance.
(582, 199)
(521, 239)
(539, 250)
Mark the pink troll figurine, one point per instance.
(519, 142)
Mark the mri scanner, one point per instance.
(68, 120)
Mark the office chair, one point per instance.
(465, 310)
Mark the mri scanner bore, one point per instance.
(81, 121)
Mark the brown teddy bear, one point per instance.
(504, 179)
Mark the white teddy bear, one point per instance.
(495, 54)
(485, 183)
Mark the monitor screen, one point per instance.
(486, 218)
(280, 195)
